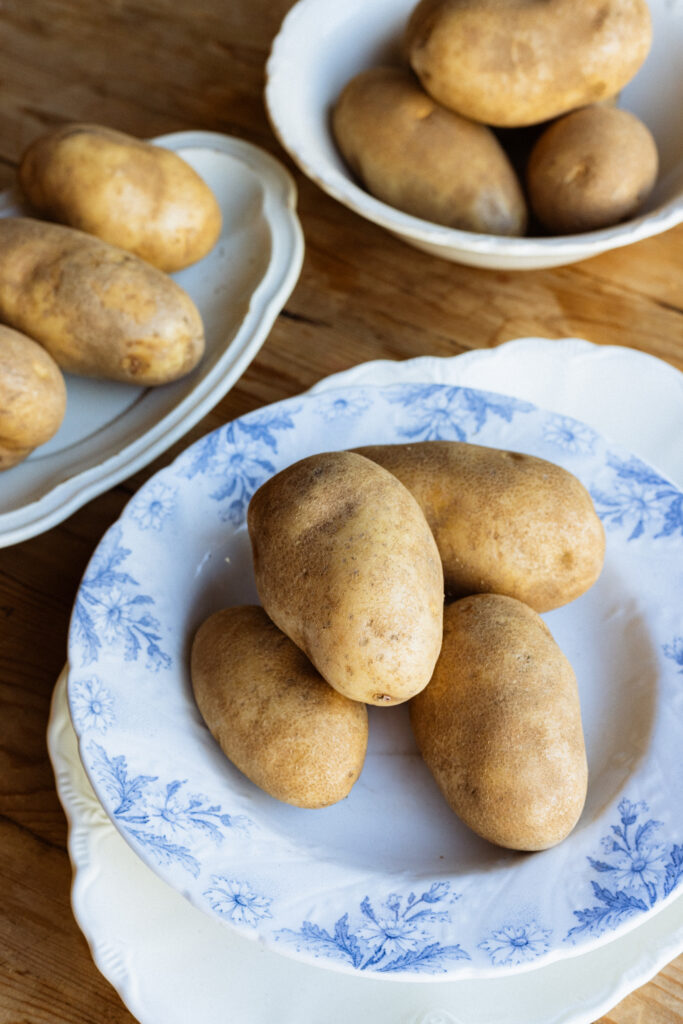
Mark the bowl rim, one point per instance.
(344, 189)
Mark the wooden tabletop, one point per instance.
(152, 66)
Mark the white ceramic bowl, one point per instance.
(323, 43)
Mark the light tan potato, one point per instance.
(504, 523)
(518, 62)
(130, 193)
(592, 168)
(32, 397)
(347, 567)
(272, 714)
(419, 157)
(99, 311)
(499, 725)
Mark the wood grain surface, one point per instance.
(153, 66)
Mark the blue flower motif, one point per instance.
(570, 435)
(178, 811)
(92, 705)
(236, 901)
(636, 864)
(110, 609)
(675, 651)
(152, 815)
(153, 505)
(238, 456)
(516, 944)
(347, 406)
(396, 937)
(441, 413)
(640, 499)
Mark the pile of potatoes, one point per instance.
(84, 285)
(353, 552)
(493, 89)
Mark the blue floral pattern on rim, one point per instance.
(132, 706)
(395, 937)
(516, 944)
(110, 610)
(165, 811)
(640, 869)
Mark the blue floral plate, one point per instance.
(388, 881)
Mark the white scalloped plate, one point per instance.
(170, 962)
(112, 430)
(388, 881)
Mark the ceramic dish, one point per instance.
(111, 429)
(304, 80)
(169, 961)
(388, 881)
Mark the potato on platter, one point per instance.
(509, 63)
(504, 522)
(32, 396)
(272, 714)
(98, 310)
(412, 153)
(128, 192)
(499, 725)
(347, 567)
(592, 168)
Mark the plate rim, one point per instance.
(271, 294)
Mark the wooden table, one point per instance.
(153, 66)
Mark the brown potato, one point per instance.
(347, 567)
(419, 157)
(99, 311)
(32, 397)
(499, 725)
(504, 523)
(130, 193)
(273, 715)
(518, 62)
(592, 168)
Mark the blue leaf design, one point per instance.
(428, 958)
(112, 772)
(612, 908)
(167, 852)
(600, 865)
(674, 869)
(346, 941)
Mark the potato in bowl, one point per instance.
(304, 82)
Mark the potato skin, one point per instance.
(130, 193)
(510, 63)
(98, 310)
(347, 567)
(499, 725)
(592, 168)
(419, 157)
(32, 397)
(504, 522)
(273, 715)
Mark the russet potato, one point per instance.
(97, 309)
(504, 522)
(272, 714)
(130, 193)
(509, 63)
(499, 725)
(347, 567)
(32, 396)
(415, 155)
(591, 168)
